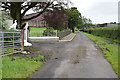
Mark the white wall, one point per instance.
(111, 25)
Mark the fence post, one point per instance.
(22, 32)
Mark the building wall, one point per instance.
(111, 25)
(37, 23)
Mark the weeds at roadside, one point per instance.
(110, 50)
(17, 67)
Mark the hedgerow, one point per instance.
(107, 32)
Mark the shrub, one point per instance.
(9, 36)
(3, 20)
(50, 28)
(49, 32)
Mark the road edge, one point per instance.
(73, 36)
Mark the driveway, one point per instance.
(80, 58)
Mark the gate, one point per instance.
(10, 42)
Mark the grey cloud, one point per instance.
(104, 8)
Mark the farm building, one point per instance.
(36, 22)
(107, 25)
(40, 21)
(102, 25)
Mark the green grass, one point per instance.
(0, 68)
(110, 50)
(17, 67)
(36, 32)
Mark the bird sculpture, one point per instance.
(26, 36)
(14, 26)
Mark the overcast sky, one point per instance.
(99, 11)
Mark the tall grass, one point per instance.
(17, 67)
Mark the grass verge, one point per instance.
(109, 48)
(16, 67)
(0, 68)
(36, 32)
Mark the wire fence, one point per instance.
(10, 42)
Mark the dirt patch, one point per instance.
(48, 50)
(34, 52)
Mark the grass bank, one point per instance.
(109, 48)
(17, 67)
(0, 68)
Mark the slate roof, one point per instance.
(34, 14)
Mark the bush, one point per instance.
(9, 36)
(49, 32)
(3, 20)
(50, 28)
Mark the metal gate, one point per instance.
(10, 42)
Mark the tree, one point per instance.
(17, 10)
(113, 23)
(56, 19)
(86, 21)
(3, 20)
(74, 18)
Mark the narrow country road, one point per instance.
(80, 58)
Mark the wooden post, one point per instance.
(22, 32)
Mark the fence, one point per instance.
(63, 34)
(10, 42)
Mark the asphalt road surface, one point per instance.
(80, 58)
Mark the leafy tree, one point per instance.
(56, 19)
(86, 21)
(17, 10)
(3, 20)
(74, 18)
(113, 23)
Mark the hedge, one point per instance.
(107, 32)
